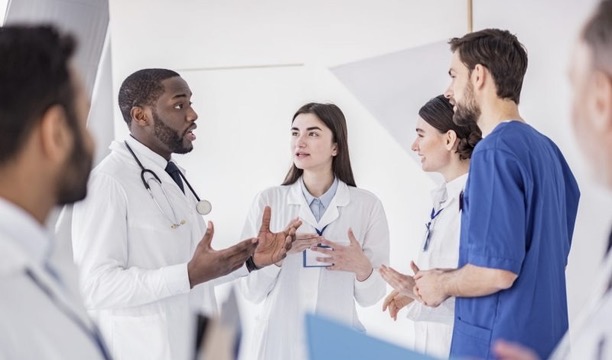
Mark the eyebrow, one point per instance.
(181, 95)
(308, 129)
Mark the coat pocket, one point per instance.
(470, 341)
(140, 337)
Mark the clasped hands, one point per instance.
(267, 248)
(425, 286)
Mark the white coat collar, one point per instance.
(296, 197)
(19, 227)
(445, 194)
(142, 151)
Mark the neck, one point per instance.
(19, 189)
(317, 183)
(496, 111)
(456, 169)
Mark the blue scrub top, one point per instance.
(519, 211)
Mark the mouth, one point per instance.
(301, 155)
(189, 135)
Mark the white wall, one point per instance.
(245, 112)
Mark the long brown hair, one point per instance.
(334, 119)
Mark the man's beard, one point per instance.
(73, 185)
(468, 113)
(169, 136)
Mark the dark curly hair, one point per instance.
(438, 112)
(34, 75)
(142, 88)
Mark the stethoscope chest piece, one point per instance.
(203, 207)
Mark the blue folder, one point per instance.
(330, 340)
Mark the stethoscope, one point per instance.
(203, 207)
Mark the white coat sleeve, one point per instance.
(100, 246)
(376, 247)
(445, 313)
(258, 284)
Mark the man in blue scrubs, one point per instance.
(519, 206)
(591, 80)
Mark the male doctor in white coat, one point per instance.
(143, 251)
(45, 160)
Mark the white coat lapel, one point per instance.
(297, 198)
(342, 198)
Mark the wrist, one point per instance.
(364, 275)
(250, 264)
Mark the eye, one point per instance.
(313, 133)
(294, 133)
(179, 106)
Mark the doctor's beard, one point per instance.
(170, 137)
(468, 113)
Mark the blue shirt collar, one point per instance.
(325, 199)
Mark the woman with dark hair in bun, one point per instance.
(443, 147)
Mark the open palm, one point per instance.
(272, 247)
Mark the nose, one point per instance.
(300, 141)
(449, 92)
(192, 115)
(415, 145)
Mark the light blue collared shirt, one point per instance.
(320, 204)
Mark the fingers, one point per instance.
(414, 267)
(240, 252)
(389, 299)
(208, 235)
(352, 238)
(265, 220)
(329, 243)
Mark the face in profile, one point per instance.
(312, 143)
(73, 184)
(589, 119)
(460, 92)
(431, 147)
(174, 118)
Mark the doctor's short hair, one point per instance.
(34, 75)
(438, 112)
(334, 119)
(501, 53)
(142, 88)
(597, 34)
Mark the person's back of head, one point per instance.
(501, 53)
(43, 112)
(34, 75)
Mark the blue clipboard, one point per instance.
(330, 340)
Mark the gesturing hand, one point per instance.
(273, 247)
(403, 284)
(207, 264)
(348, 258)
(304, 241)
(395, 302)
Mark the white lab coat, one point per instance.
(590, 335)
(39, 316)
(433, 327)
(133, 265)
(292, 290)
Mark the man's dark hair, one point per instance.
(34, 75)
(501, 53)
(597, 33)
(142, 88)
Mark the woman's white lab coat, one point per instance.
(290, 291)
(433, 327)
(133, 265)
